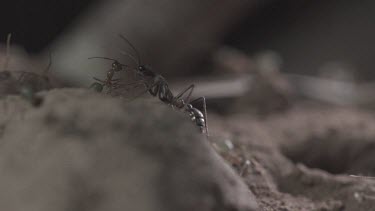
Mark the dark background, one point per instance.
(35, 24)
(307, 34)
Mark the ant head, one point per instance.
(142, 68)
(117, 66)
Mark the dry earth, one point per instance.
(300, 160)
(86, 151)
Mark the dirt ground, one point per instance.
(302, 159)
(79, 150)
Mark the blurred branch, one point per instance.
(331, 91)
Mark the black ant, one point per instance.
(109, 82)
(159, 88)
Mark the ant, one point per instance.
(37, 81)
(30, 83)
(26, 84)
(159, 88)
(109, 82)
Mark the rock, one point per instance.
(85, 151)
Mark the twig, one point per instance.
(7, 56)
(341, 93)
(362, 177)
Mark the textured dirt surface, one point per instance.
(85, 151)
(291, 154)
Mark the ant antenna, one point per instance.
(131, 57)
(132, 46)
(100, 57)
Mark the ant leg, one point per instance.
(203, 99)
(153, 93)
(128, 86)
(191, 88)
(133, 83)
(154, 89)
(165, 94)
(115, 81)
(114, 85)
(97, 79)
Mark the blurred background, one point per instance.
(273, 52)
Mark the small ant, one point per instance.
(30, 83)
(109, 82)
(5, 74)
(159, 88)
(26, 83)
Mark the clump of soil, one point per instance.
(302, 159)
